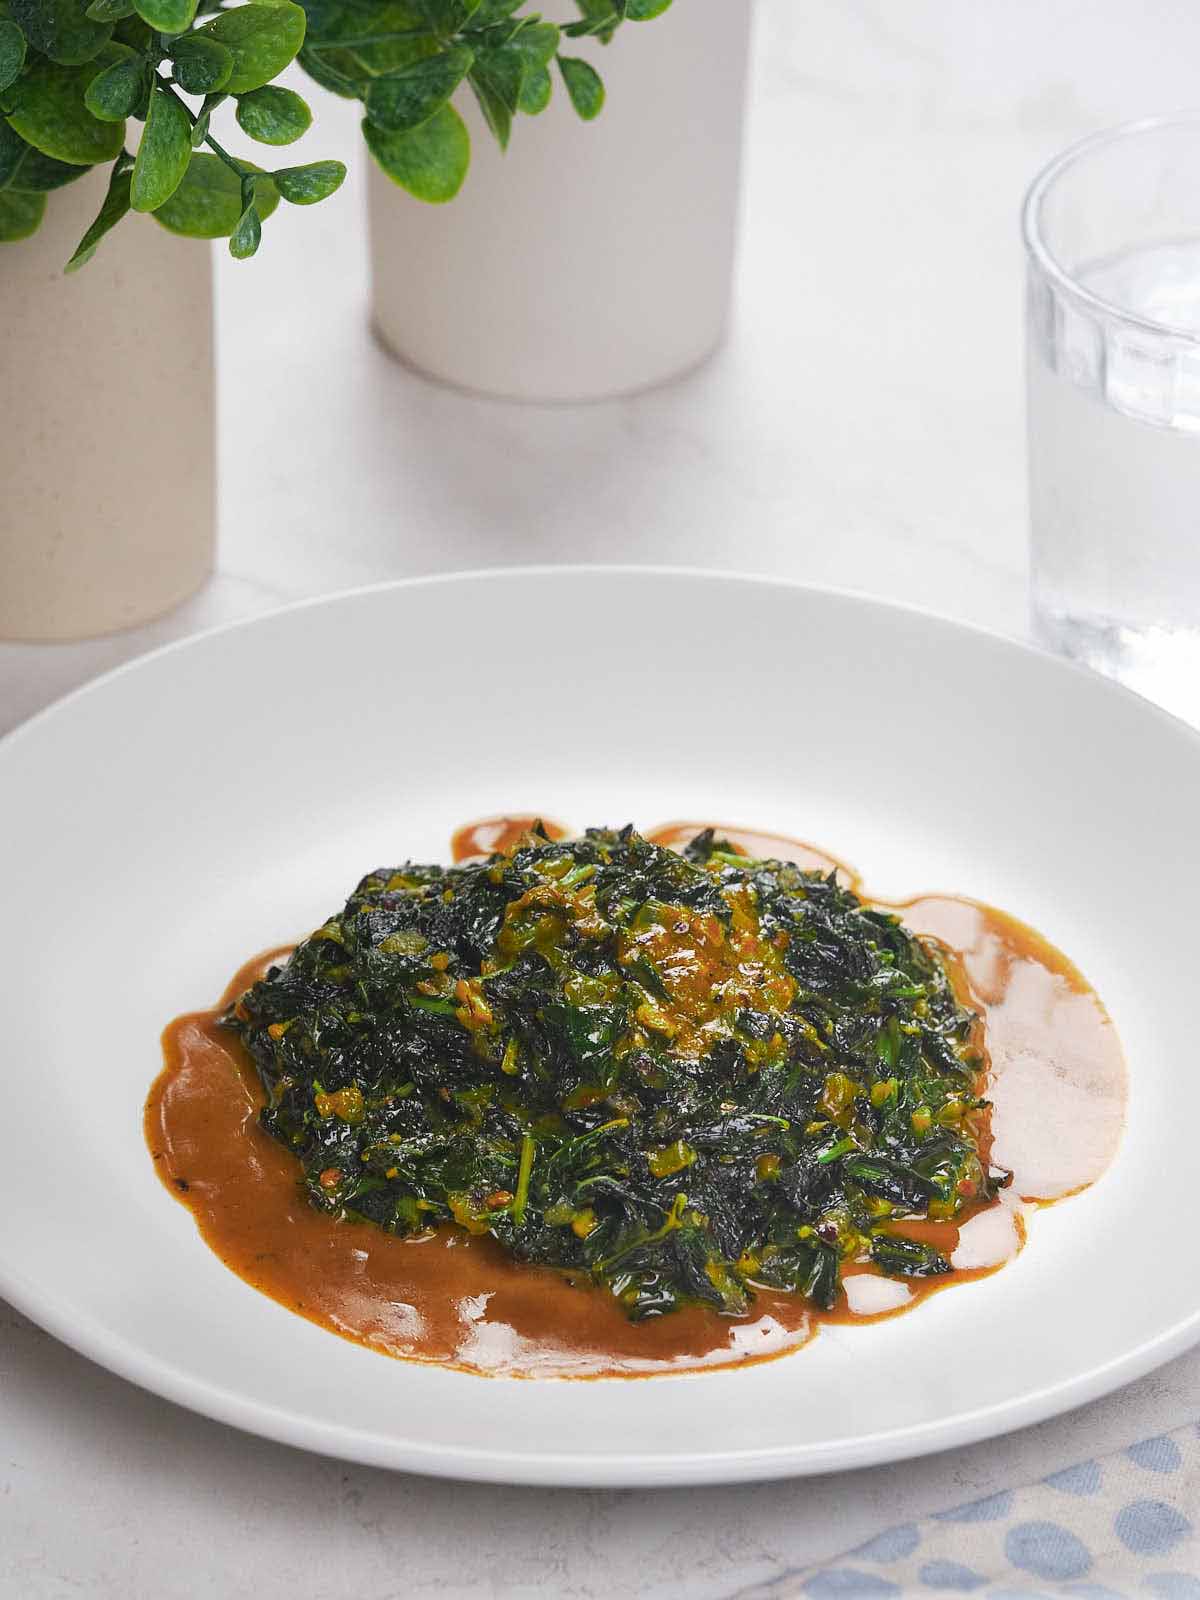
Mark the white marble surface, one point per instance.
(862, 427)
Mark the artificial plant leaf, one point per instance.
(448, 17)
(273, 115)
(40, 173)
(202, 66)
(304, 186)
(12, 52)
(391, 55)
(208, 203)
(116, 205)
(110, 10)
(599, 19)
(497, 113)
(262, 39)
(335, 70)
(493, 11)
(20, 214)
(163, 154)
(536, 43)
(132, 31)
(47, 110)
(26, 170)
(247, 236)
(60, 29)
(583, 85)
(499, 73)
(384, 35)
(13, 151)
(506, 56)
(430, 161)
(117, 91)
(535, 92)
(334, 19)
(167, 16)
(200, 127)
(405, 99)
(644, 10)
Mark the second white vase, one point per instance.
(590, 259)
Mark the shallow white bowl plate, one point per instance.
(224, 795)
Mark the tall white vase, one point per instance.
(107, 441)
(591, 259)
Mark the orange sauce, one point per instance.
(1056, 1079)
(477, 840)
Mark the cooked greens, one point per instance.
(678, 1075)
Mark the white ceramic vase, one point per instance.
(591, 259)
(107, 514)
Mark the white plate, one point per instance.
(223, 795)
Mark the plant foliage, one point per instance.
(680, 1075)
(74, 75)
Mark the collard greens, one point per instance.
(676, 1075)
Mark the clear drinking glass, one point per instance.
(1112, 234)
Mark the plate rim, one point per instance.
(586, 569)
(470, 1463)
(133, 1363)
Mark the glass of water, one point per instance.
(1112, 235)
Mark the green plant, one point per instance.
(74, 73)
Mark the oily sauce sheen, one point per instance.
(1056, 1078)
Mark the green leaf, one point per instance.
(493, 11)
(583, 85)
(430, 161)
(335, 70)
(167, 16)
(116, 205)
(304, 186)
(60, 29)
(448, 16)
(208, 203)
(20, 215)
(110, 10)
(26, 170)
(401, 32)
(600, 20)
(163, 154)
(644, 10)
(404, 100)
(13, 151)
(262, 40)
(273, 115)
(393, 55)
(202, 66)
(335, 19)
(115, 93)
(497, 113)
(47, 110)
(499, 74)
(200, 127)
(536, 43)
(535, 92)
(132, 31)
(247, 236)
(12, 52)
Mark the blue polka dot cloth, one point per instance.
(1126, 1525)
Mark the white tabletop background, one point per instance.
(862, 427)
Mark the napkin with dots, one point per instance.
(1124, 1525)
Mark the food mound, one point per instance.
(674, 1075)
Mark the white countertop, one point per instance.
(862, 427)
